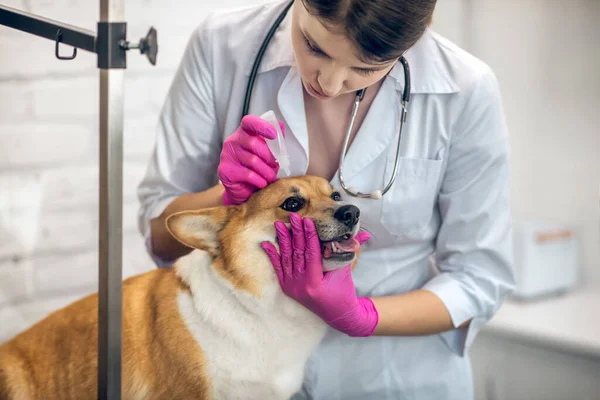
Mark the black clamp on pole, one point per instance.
(112, 45)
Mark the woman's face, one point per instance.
(326, 60)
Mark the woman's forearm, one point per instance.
(416, 313)
(164, 245)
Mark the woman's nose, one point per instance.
(331, 81)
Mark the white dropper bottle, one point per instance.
(277, 145)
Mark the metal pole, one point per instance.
(111, 200)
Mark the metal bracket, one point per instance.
(109, 42)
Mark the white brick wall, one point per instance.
(49, 152)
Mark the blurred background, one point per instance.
(543, 344)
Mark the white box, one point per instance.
(546, 258)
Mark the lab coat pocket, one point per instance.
(408, 206)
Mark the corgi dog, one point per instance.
(214, 326)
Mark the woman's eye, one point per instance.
(312, 49)
(336, 196)
(365, 72)
(293, 204)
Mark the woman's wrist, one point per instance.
(212, 197)
(208, 198)
(370, 316)
(361, 321)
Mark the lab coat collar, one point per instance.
(429, 72)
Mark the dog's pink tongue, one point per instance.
(350, 245)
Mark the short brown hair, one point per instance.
(381, 30)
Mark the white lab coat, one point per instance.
(451, 195)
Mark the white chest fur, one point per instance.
(256, 348)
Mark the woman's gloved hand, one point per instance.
(247, 163)
(330, 295)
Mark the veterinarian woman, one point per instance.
(400, 328)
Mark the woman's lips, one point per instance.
(317, 93)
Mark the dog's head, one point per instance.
(337, 223)
(232, 235)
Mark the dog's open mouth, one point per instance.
(340, 248)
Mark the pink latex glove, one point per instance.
(247, 163)
(330, 295)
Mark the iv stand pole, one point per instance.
(110, 45)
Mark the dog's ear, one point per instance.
(199, 229)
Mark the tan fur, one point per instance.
(57, 357)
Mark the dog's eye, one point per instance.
(336, 196)
(293, 204)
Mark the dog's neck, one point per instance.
(244, 280)
(264, 340)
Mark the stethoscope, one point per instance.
(377, 194)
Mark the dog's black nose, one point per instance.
(348, 215)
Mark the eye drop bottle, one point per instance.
(277, 145)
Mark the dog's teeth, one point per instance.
(335, 248)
